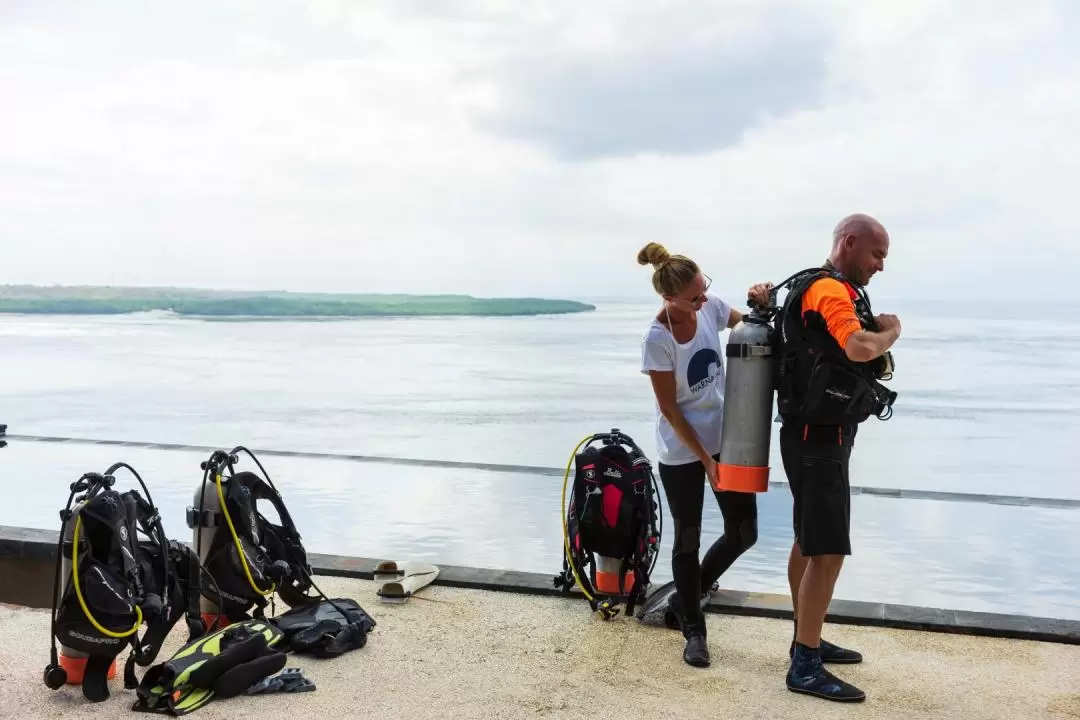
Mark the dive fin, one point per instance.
(406, 579)
(238, 679)
(231, 657)
(654, 611)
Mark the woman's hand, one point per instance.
(711, 473)
(759, 294)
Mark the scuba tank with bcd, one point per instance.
(250, 557)
(108, 583)
(815, 382)
(610, 527)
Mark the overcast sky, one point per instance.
(535, 147)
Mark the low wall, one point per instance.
(28, 566)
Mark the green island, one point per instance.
(107, 300)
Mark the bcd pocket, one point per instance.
(837, 396)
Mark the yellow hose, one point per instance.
(236, 540)
(566, 530)
(79, 595)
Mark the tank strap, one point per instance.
(746, 350)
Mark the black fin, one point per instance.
(244, 651)
(238, 679)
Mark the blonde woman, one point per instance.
(683, 356)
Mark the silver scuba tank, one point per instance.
(207, 506)
(748, 407)
(607, 576)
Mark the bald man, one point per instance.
(833, 330)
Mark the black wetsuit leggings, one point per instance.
(684, 487)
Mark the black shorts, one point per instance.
(817, 472)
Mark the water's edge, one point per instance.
(28, 557)
(895, 493)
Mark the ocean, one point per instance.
(989, 402)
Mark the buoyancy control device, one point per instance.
(250, 557)
(815, 382)
(109, 583)
(325, 630)
(612, 525)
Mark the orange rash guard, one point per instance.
(834, 303)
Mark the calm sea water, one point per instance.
(988, 403)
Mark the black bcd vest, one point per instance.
(816, 383)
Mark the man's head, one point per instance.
(860, 246)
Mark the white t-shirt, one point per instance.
(699, 380)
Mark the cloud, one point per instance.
(678, 79)
(475, 147)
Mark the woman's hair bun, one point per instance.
(653, 254)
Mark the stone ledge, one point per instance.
(22, 547)
(732, 602)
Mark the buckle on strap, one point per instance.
(203, 519)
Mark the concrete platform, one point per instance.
(469, 653)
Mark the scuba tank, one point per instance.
(748, 405)
(610, 535)
(108, 584)
(249, 557)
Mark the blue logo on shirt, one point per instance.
(699, 372)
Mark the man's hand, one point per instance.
(759, 294)
(887, 322)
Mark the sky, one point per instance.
(506, 149)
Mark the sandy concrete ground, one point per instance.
(454, 653)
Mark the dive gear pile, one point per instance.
(610, 528)
(253, 558)
(109, 584)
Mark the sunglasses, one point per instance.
(701, 297)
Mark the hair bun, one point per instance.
(653, 254)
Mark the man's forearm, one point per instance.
(884, 341)
(865, 345)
